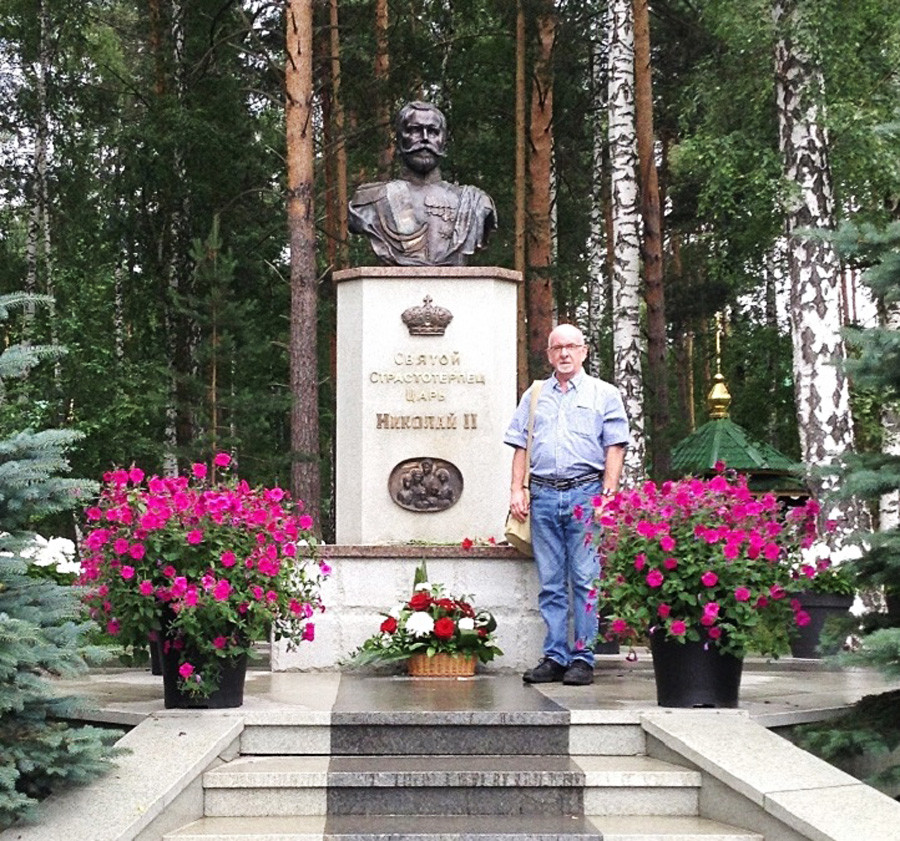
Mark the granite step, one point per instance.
(460, 828)
(392, 827)
(638, 785)
(668, 828)
(398, 785)
(448, 785)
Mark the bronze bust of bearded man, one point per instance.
(420, 219)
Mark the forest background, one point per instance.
(144, 184)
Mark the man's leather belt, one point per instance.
(565, 484)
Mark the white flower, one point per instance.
(466, 624)
(424, 585)
(58, 552)
(420, 624)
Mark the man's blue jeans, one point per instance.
(564, 562)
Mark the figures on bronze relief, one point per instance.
(425, 484)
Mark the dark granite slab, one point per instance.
(451, 800)
(480, 715)
(481, 700)
(487, 771)
(460, 828)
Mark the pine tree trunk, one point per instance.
(339, 148)
(521, 191)
(382, 68)
(305, 482)
(540, 178)
(821, 386)
(654, 296)
(626, 304)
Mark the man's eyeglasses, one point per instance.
(569, 348)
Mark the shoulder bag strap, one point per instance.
(535, 394)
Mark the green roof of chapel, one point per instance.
(721, 440)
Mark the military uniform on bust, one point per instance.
(420, 219)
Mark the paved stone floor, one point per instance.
(775, 693)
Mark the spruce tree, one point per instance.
(872, 475)
(40, 632)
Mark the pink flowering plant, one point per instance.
(823, 570)
(704, 559)
(206, 566)
(430, 622)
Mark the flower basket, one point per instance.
(436, 634)
(441, 665)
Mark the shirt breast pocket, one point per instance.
(583, 422)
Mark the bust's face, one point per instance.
(421, 140)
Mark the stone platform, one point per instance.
(348, 757)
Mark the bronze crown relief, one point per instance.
(427, 320)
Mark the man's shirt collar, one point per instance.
(575, 382)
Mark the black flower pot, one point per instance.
(156, 667)
(694, 674)
(820, 607)
(230, 692)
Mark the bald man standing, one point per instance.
(577, 453)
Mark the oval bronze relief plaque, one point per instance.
(425, 484)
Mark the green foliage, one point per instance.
(154, 142)
(40, 635)
(869, 729)
(876, 367)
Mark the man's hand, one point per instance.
(518, 504)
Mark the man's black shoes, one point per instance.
(547, 671)
(580, 673)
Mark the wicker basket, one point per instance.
(441, 665)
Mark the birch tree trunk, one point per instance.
(654, 296)
(626, 302)
(821, 386)
(540, 179)
(598, 303)
(305, 481)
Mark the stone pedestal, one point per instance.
(426, 385)
(366, 580)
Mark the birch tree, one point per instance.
(598, 303)
(820, 383)
(625, 231)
